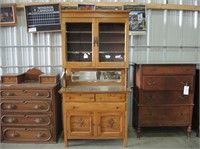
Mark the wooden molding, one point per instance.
(148, 6)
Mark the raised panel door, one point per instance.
(110, 124)
(79, 124)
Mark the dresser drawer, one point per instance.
(25, 120)
(165, 116)
(79, 97)
(94, 107)
(25, 106)
(168, 70)
(164, 98)
(26, 94)
(26, 134)
(110, 97)
(167, 82)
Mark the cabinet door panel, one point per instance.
(112, 42)
(79, 124)
(110, 124)
(78, 42)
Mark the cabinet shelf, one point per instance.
(111, 51)
(111, 32)
(111, 42)
(79, 32)
(78, 42)
(79, 52)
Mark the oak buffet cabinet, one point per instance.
(164, 95)
(95, 56)
(30, 107)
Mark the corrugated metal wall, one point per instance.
(172, 37)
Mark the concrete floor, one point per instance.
(151, 138)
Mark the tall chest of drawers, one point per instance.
(30, 112)
(164, 95)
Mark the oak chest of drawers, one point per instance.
(30, 112)
(159, 97)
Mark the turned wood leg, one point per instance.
(138, 132)
(189, 130)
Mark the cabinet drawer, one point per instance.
(25, 120)
(94, 107)
(79, 97)
(26, 94)
(25, 106)
(169, 70)
(164, 98)
(165, 116)
(167, 82)
(26, 134)
(110, 97)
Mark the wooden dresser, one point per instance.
(30, 111)
(158, 97)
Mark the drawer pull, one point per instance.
(10, 94)
(182, 97)
(39, 120)
(117, 107)
(12, 120)
(37, 107)
(40, 135)
(14, 134)
(38, 94)
(11, 106)
(74, 107)
(151, 83)
(184, 83)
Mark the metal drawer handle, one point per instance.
(11, 106)
(151, 83)
(37, 107)
(39, 120)
(14, 134)
(12, 120)
(184, 83)
(40, 135)
(182, 97)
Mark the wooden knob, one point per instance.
(11, 106)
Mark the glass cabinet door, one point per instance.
(78, 43)
(95, 42)
(112, 43)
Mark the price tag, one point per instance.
(186, 90)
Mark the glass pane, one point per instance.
(111, 42)
(79, 42)
(96, 76)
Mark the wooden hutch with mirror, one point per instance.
(95, 57)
